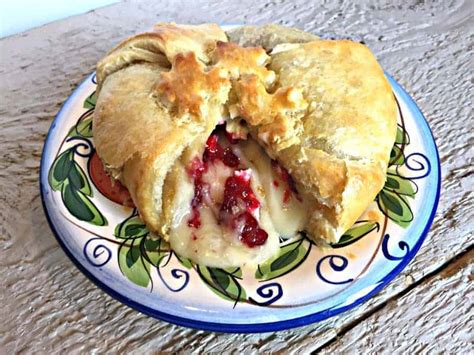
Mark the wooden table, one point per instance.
(48, 305)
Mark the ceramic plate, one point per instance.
(301, 285)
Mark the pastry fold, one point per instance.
(136, 134)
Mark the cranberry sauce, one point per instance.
(214, 151)
(237, 207)
(250, 232)
(196, 171)
(239, 200)
(238, 194)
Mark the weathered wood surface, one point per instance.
(47, 305)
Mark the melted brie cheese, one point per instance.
(214, 244)
(288, 217)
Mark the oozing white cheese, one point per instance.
(214, 243)
(287, 217)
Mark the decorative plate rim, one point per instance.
(255, 327)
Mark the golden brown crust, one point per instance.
(142, 155)
(199, 39)
(276, 117)
(135, 134)
(160, 46)
(347, 133)
(187, 72)
(352, 112)
(323, 109)
(243, 61)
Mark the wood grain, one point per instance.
(435, 315)
(48, 305)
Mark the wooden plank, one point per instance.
(48, 305)
(436, 315)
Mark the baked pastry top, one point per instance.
(322, 109)
(348, 129)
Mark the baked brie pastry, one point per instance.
(230, 141)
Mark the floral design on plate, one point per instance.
(303, 283)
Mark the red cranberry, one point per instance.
(195, 220)
(196, 171)
(251, 235)
(239, 200)
(214, 151)
(237, 188)
(230, 159)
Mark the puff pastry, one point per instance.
(322, 109)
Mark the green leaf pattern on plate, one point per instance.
(359, 230)
(396, 156)
(289, 257)
(402, 136)
(132, 227)
(395, 207)
(90, 101)
(139, 252)
(188, 264)
(80, 206)
(83, 127)
(398, 184)
(393, 200)
(67, 176)
(223, 283)
(132, 263)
